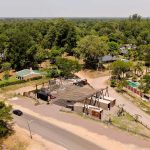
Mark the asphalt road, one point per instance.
(54, 134)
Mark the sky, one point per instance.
(74, 8)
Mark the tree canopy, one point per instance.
(25, 43)
(5, 119)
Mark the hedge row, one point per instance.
(7, 83)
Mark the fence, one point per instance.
(134, 90)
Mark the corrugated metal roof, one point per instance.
(27, 72)
(108, 58)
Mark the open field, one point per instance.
(20, 140)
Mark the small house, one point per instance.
(108, 58)
(27, 74)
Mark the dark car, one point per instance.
(17, 112)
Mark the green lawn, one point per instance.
(12, 80)
(18, 84)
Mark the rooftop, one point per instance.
(27, 72)
(75, 93)
(108, 58)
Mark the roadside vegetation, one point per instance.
(65, 43)
(6, 128)
(128, 123)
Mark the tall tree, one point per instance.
(5, 119)
(92, 48)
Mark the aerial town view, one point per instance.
(74, 75)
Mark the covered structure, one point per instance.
(27, 74)
(109, 58)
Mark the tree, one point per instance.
(113, 48)
(92, 48)
(19, 51)
(146, 86)
(135, 17)
(3, 42)
(119, 68)
(138, 68)
(5, 119)
(6, 69)
(6, 66)
(67, 67)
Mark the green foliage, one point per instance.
(10, 81)
(67, 67)
(53, 72)
(113, 48)
(6, 66)
(5, 119)
(147, 83)
(91, 48)
(26, 43)
(113, 83)
(55, 53)
(6, 75)
(121, 84)
(135, 17)
(119, 68)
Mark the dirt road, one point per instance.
(102, 82)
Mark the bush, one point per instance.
(6, 75)
(53, 73)
(5, 119)
(121, 84)
(113, 83)
(67, 67)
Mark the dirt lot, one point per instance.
(21, 141)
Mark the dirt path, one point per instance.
(101, 82)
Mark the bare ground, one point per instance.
(21, 141)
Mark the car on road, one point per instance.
(17, 112)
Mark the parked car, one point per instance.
(17, 112)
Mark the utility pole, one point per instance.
(28, 122)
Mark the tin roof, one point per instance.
(27, 72)
(108, 58)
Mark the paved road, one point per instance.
(55, 134)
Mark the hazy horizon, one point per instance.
(73, 8)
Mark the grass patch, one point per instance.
(145, 106)
(11, 81)
(28, 83)
(128, 123)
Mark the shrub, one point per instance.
(53, 73)
(113, 83)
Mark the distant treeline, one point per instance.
(26, 42)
